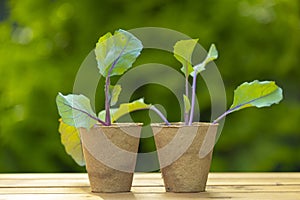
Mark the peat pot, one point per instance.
(184, 154)
(110, 153)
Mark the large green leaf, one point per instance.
(114, 92)
(117, 52)
(211, 56)
(70, 138)
(256, 93)
(183, 51)
(75, 110)
(124, 109)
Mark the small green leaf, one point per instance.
(183, 51)
(258, 94)
(75, 110)
(102, 114)
(116, 53)
(198, 68)
(70, 138)
(125, 108)
(211, 56)
(187, 105)
(114, 92)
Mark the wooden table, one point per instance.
(150, 186)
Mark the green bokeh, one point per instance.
(43, 42)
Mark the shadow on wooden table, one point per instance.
(157, 195)
(123, 195)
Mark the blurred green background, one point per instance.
(43, 42)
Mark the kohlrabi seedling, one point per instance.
(256, 93)
(115, 54)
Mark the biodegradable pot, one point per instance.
(185, 153)
(110, 153)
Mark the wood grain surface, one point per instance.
(75, 186)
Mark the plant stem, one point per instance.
(160, 114)
(107, 101)
(107, 84)
(193, 98)
(186, 112)
(88, 114)
(222, 116)
(232, 110)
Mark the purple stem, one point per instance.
(107, 101)
(186, 113)
(160, 115)
(233, 109)
(222, 116)
(193, 98)
(107, 84)
(88, 114)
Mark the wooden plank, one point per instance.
(231, 179)
(148, 176)
(210, 189)
(43, 183)
(150, 186)
(148, 179)
(84, 183)
(253, 178)
(220, 175)
(165, 196)
(213, 175)
(45, 190)
(155, 178)
(44, 176)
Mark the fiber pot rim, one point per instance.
(120, 124)
(181, 124)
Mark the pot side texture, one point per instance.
(187, 172)
(110, 154)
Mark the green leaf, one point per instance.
(70, 138)
(183, 51)
(125, 108)
(114, 92)
(187, 105)
(117, 52)
(256, 93)
(75, 110)
(102, 114)
(211, 56)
